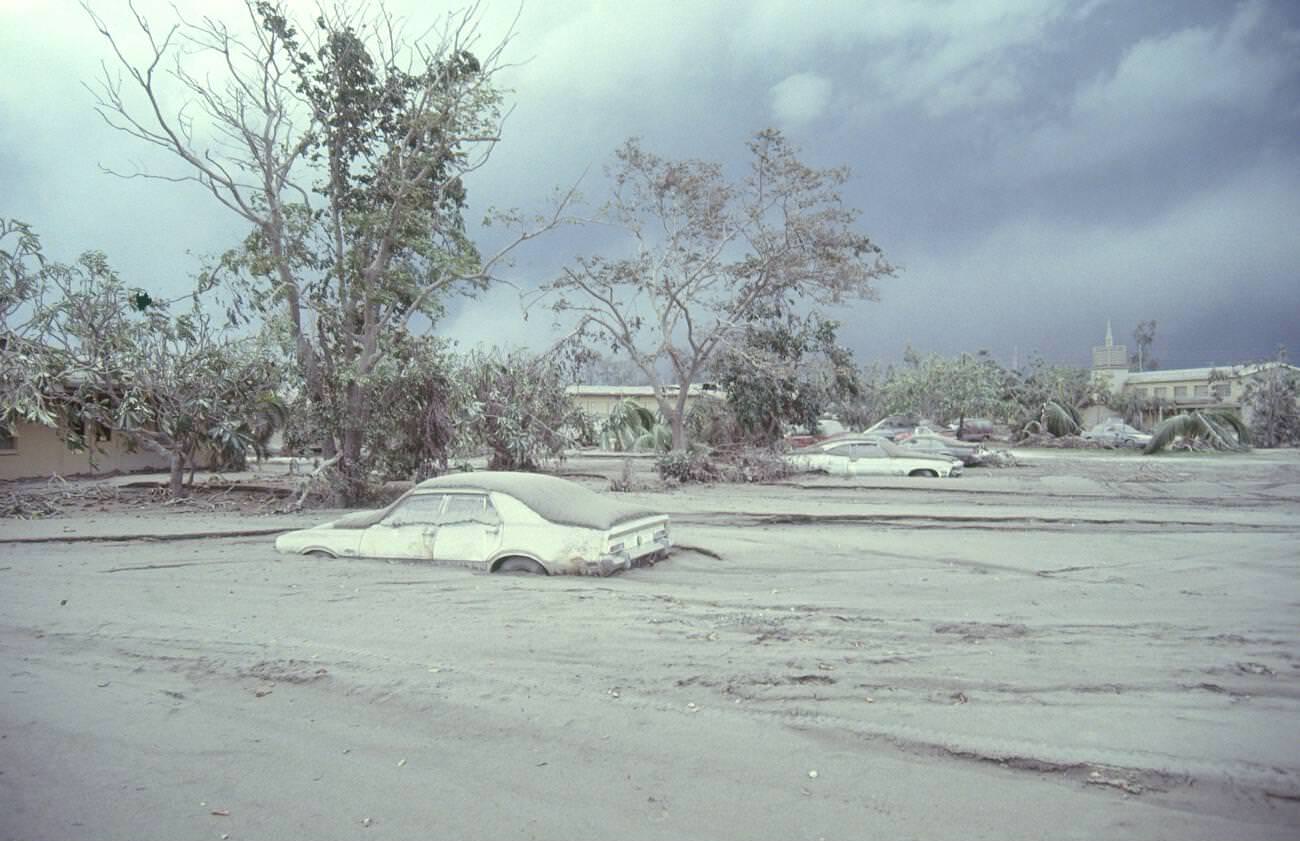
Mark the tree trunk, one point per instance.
(352, 487)
(679, 421)
(177, 483)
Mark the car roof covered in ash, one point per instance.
(555, 499)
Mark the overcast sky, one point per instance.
(1035, 167)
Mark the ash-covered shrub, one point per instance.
(688, 466)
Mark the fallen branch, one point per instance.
(306, 484)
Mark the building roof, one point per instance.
(696, 389)
(1199, 374)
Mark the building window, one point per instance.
(8, 441)
(1180, 391)
(1222, 391)
(1160, 391)
(1202, 391)
(1142, 392)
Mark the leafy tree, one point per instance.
(1130, 406)
(105, 358)
(1144, 335)
(515, 406)
(944, 389)
(1050, 396)
(419, 385)
(708, 256)
(783, 372)
(346, 150)
(1273, 396)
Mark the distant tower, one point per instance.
(1111, 359)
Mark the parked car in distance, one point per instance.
(870, 457)
(974, 429)
(922, 440)
(894, 426)
(498, 522)
(827, 427)
(1116, 433)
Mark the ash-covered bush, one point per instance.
(688, 466)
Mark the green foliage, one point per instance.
(345, 148)
(516, 407)
(945, 389)
(419, 385)
(784, 372)
(88, 354)
(631, 426)
(1219, 429)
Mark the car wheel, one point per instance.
(931, 474)
(520, 566)
(320, 553)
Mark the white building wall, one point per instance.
(39, 452)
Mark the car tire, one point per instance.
(320, 553)
(929, 474)
(520, 566)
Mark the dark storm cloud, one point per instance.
(1036, 166)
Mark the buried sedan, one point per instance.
(499, 522)
(870, 457)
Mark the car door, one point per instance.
(867, 459)
(838, 460)
(408, 531)
(469, 530)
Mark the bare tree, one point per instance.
(1144, 335)
(345, 144)
(708, 256)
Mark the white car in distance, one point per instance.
(498, 522)
(870, 457)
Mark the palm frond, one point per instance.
(1217, 428)
(1061, 419)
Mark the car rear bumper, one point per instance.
(643, 555)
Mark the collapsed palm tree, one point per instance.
(1055, 418)
(631, 426)
(1217, 429)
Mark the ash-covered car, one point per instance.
(869, 456)
(1116, 433)
(894, 427)
(498, 522)
(924, 440)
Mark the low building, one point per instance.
(1185, 389)
(598, 400)
(1175, 390)
(36, 451)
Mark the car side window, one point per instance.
(843, 451)
(867, 451)
(421, 509)
(468, 508)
